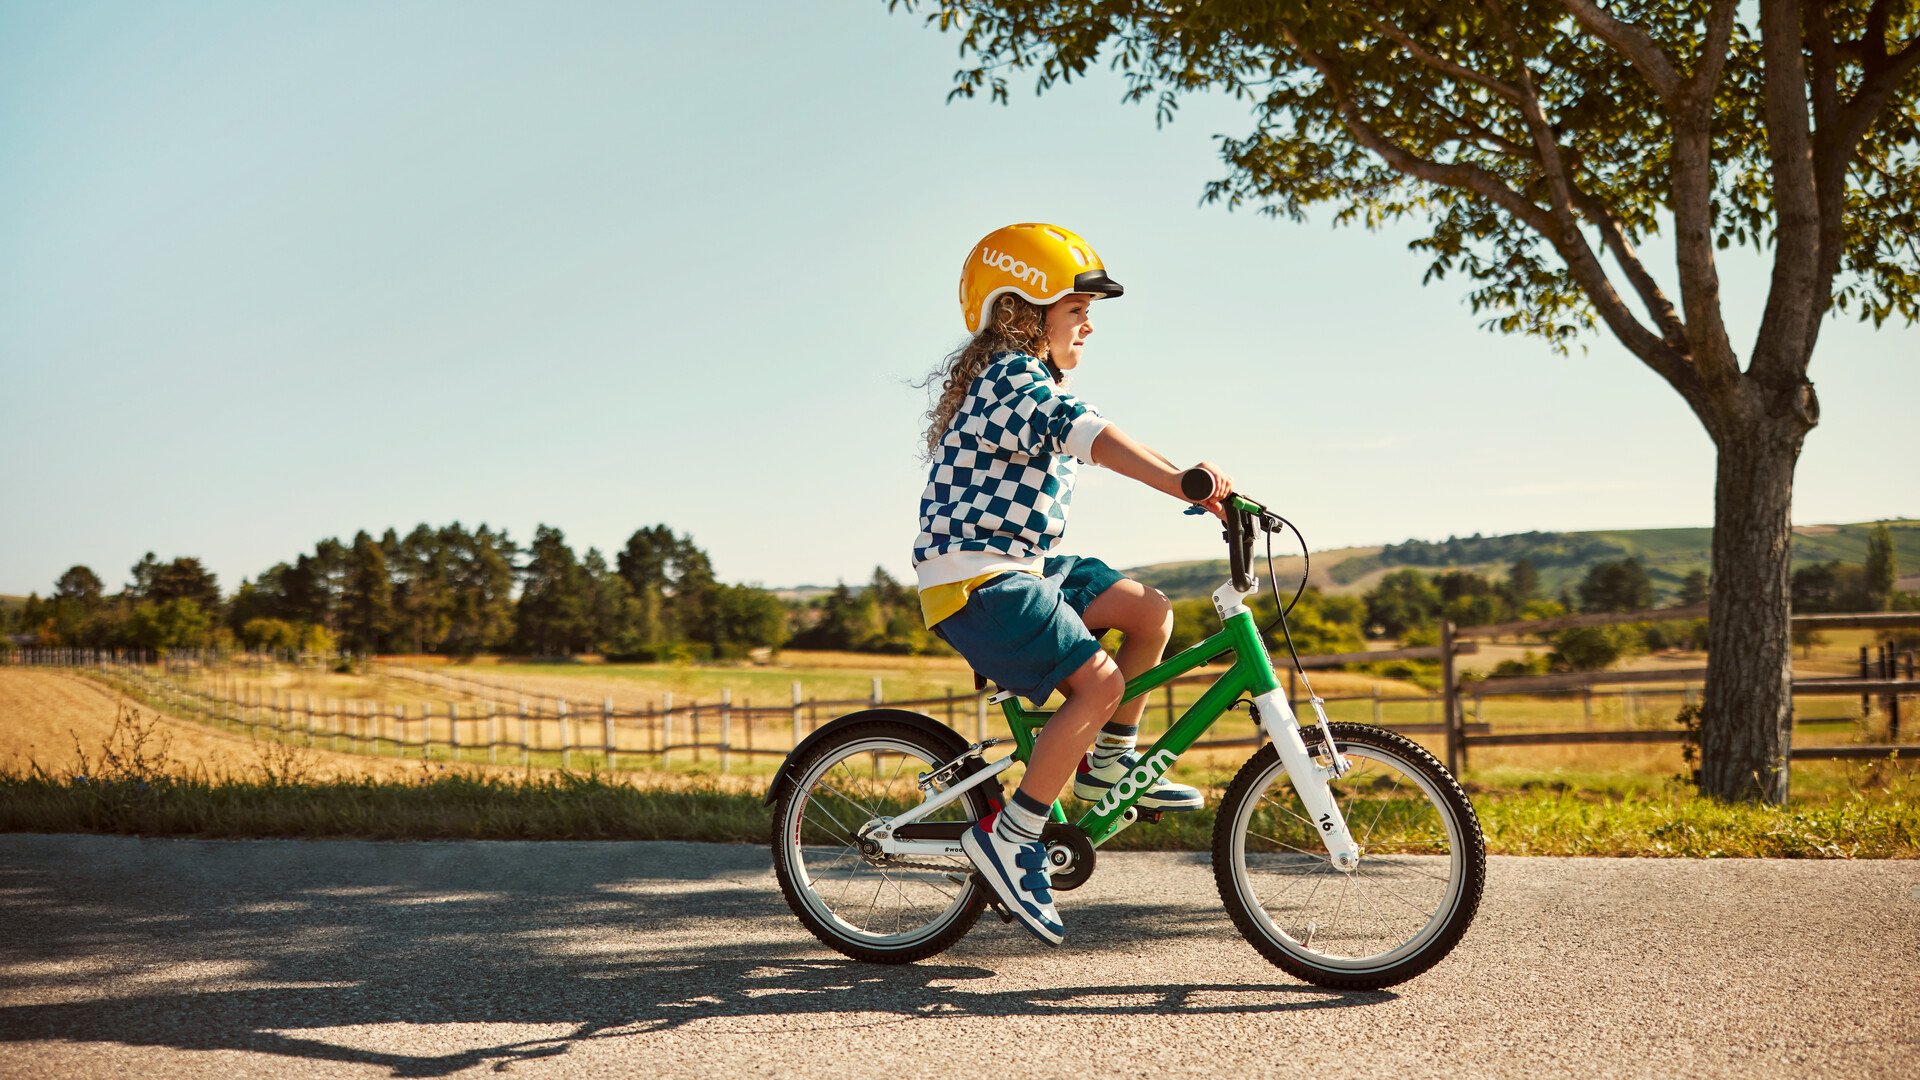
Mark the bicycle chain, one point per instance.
(948, 868)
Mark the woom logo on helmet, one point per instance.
(1032, 275)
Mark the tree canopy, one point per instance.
(1539, 143)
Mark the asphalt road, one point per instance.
(162, 958)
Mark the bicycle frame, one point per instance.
(1251, 675)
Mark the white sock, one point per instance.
(1020, 823)
(1113, 741)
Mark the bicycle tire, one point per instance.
(1433, 835)
(807, 872)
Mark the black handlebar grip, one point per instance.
(1196, 484)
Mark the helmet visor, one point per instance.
(1097, 282)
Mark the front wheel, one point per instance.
(855, 899)
(1422, 864)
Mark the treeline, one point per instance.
(435, 590)
(1538, 548)
(1867, 586)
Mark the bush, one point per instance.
(1675, 634)
(1530, 664)
(1592, 648)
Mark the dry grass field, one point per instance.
(52, 719)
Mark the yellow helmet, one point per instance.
(1038, 262)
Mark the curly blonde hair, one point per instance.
(1014, 325)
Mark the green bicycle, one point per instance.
(1345, 853)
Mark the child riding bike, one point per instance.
(1003, 441)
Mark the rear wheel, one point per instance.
(865, 904)
(1422, 864)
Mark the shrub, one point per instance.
(1591, 648)
(1530, 664)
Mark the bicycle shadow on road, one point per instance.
(595, 1004)
(352, 959)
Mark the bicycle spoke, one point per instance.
(1321, 855)
(1384, 803)
(849, 800)
(1346, 888)
(1375, 879)
(1414, 871)
(1288, 810)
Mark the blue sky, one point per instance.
(273, 272)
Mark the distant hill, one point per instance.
(1562, 558)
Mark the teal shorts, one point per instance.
(1025, 632)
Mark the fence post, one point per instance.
(949, 706)
(796, 712)
(876, 691)
(493, 732)
(666, 728)
(726, 724)
(566, 734)
(1450, 687)
(606, 729)
(1586, 704)
(453, 730)
(1890, 669)
(1167, 701)
(1376, 704)
(399, 730)
(1866, 700)
(426, 729)
(526, 752)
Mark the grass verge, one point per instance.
(129, 787)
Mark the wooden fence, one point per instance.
(499, 723)
(1885, 680)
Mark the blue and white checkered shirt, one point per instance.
(1002, 474)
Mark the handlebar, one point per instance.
(1241, 514)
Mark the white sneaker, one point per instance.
(1017, 874)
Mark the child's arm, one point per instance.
(1115, 449)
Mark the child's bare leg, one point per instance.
(1092, 691)
(1145, 616)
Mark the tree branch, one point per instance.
(1581, 263)
(1638, 46)
(1672, 330)
(1791, 320)
(1831, 146)
(1714, 52)
(1441, 64)
(1692, 199)
(1670, 362)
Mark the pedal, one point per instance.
(1000, 909)
(1152, 817)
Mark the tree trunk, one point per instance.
(1747, 722)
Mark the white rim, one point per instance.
(838, 885)
(1374, 881)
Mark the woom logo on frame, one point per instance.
(1142, 774)
(1003, 261)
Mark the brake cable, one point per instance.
(1336, 760)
